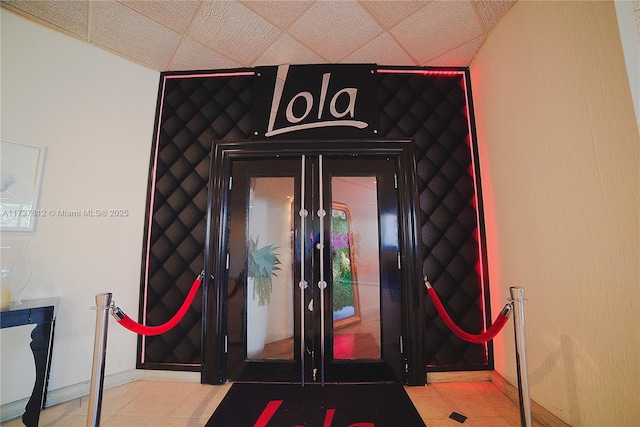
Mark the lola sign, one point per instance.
(273, 406)
(316, 101)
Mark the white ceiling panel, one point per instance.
(491, 11)
(195, 34)
(232, 29)
(636, 12)
(121, 29)
(191, 55)
(384, 49)
(335, 29)
(281, 13)
(172, 14)
(288, 51)
(389, 13)
(67, 17)
(423, 34)
(458, 57)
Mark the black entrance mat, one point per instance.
(334, 405)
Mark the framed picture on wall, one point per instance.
(21, 170)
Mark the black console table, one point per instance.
(42, 313)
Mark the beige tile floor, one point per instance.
(184, 404)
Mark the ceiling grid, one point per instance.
(204, 34)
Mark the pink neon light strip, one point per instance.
(423, 72)
(475, 190)
(199, 76)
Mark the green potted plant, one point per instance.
(262, 264)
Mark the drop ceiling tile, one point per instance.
(459, 57)
(383, 51)
(249, 32)
(492, 11)
(173, 14)
(125, 31)
(233, 30)
(389, 13)
(70, 17)
(281, 13)
(335, 29)
(288, 51)
(636, 12)
(191, 55)
(422, 33)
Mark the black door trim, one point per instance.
(413, 293)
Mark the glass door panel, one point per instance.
(261, 327)
(269, 286)
(355, 268)
(312, 286)
(362, 324)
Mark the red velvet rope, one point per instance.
(485, 336)
(136, 327)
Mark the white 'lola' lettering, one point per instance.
(308, 99)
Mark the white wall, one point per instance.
(559, 158)
(630, 37)
(95, 113)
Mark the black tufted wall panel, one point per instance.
(193, 113)
(430, 107)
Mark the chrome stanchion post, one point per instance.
(517, 297)
(103, 305)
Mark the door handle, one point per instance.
(303, 283)
(321, 284)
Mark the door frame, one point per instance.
(214, 370)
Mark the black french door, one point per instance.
(307, 268)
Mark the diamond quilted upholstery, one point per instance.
(195, 111)
(432, 109)
(429, 108)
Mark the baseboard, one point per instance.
(458, 376)
(15, 409)
(538, 413)
(156, 375)
(12, 410)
